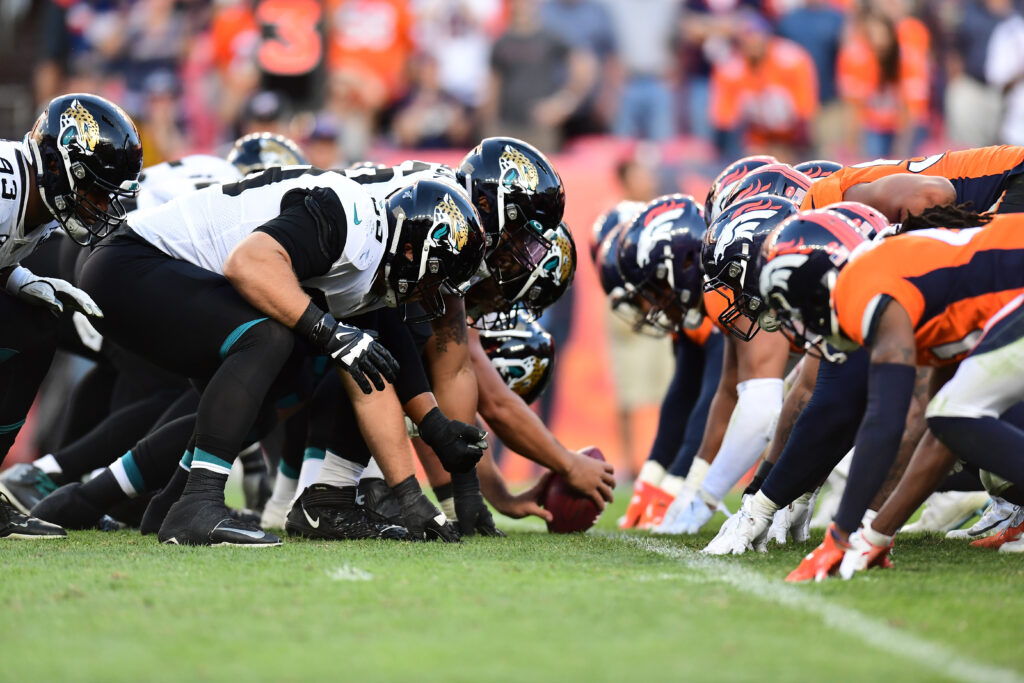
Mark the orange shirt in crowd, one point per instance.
(233, 31)
(773, 98)
(373, 37)
(978, 175)
(880, 105)
(950, 282)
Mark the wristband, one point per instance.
(875, 538)
(18, 278)
(315, 325)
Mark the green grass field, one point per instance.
(601, 606)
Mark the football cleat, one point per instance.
(68, 507)
(947, 510)
(823, 561)
(198, 519)
(658, 502)
(378, 501)
(1012, 532)
(864, 555)
(637, 505)
(1013, 546)
(994, 519)
(332, 513)
(15, 524)
(690, 520)
(25, 485)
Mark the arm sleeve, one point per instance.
(396, 337)
(312, 228)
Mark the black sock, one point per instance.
(103, 491)
(253, 462)
(204, 482)
(762, 473)
(444, 491)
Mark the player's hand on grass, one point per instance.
(50, 292)
(593, 478)
(868, 549)
(470, 509)
(746, 530)
(459, 446)
(526, 503)
(423, 520)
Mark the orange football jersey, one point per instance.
(950, 282)
(978, 175)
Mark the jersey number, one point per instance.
(292, 43)
(913, 166)
(5, 192)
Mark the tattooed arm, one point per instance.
(447, 356)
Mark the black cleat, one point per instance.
(329, 512)
(69, 508)
(205, 520)
(15, 524)
(25, 485)
(379, 501)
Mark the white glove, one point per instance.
(50, 292)
(746, 530)
(779, 530)
(868, 548)
(689, 519)
(800, 518)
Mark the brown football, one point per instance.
(572, 512)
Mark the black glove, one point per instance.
(459, 446)
(424, 521)
(352, 349)
(470, 508)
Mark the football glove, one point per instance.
(470, 509)
(50, 292)
(424, 521)
(868, 549)
(352, 350)
(823, 561)
(746, 530)
(459, 446)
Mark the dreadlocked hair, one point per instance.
(946, 216)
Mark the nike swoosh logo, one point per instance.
(315, 524)
(245, 532)
(360, 498)
(440, 519)
(355, 215)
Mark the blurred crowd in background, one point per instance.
(799, 78)
(666, 92)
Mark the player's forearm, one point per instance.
(261, 272)
(929, 465)
(722, 406)
(383, 427)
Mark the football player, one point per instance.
(74, 169)
(901, 299)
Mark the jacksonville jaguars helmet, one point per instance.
(523, 353)
(259, 151)
(87, 158)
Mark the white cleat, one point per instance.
(947, 510)
(689, 520)
(996, 517)
(1013, 546)
(275, 514)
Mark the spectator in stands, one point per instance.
(972, 106)
(266, 111)
(234, 39)
(153, 38)
(427, 116)
(644, 33)
(818, 28)
(321, 142)
(1004, 68)
(707, 29)
(537, 80)
(764, 96)
(886, 81)
(370, 45)
(291, 50)
(159, 119)
(585, 26)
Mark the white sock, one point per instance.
(698, 470)
(373, 471)
(673, 484)
(448, 508)
(651, 473)
(750, 428)
(310, 469)
(337, 471)
(48, 464)
(285, 488)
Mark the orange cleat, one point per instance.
(657, 504)
(637, 505)
(823, 560)
(1010, 533)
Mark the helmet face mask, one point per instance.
(87, 158)
(436, 246)
(523, 353)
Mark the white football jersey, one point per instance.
(202, 227)
(380, 182)
(14, 186)
(163, 182)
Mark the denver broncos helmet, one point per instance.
(867, 219)
(621, 212)
(780, 180)
(523, 353)
(723, 185)
(87, 158)
(729, 259)
(818, 168)
(802, 258)
(659, 257)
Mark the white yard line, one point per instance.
(874, 632)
